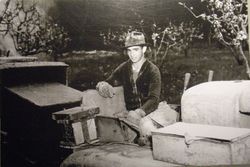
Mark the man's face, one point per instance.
(135, 53)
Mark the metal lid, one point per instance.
(204, 131)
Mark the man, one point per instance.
(141, 81)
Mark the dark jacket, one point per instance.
(145, 94)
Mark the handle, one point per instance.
(210, 75)
(186, 81)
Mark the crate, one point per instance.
(201, 145)
(78, 125)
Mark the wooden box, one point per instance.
(114, 130)
(201, 145)
(78, 125)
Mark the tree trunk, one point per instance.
(237, 53)
(154, 54)
(54, 55)
(241, 53)
(209, 40)
(163, 57)
(240, 57)
(186, 51)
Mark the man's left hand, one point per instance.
(140, 112)
(135, 116)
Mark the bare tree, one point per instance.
(229, 21)
(173, 37)
(31, 32)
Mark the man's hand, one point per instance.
(105, 89)
(135, 116)
(140, 112)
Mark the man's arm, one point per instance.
(105, 88)
(115, 78)
(154, 91)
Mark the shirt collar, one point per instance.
(143, 68)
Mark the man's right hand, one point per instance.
(105, 89)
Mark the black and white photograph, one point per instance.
(124, 83)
